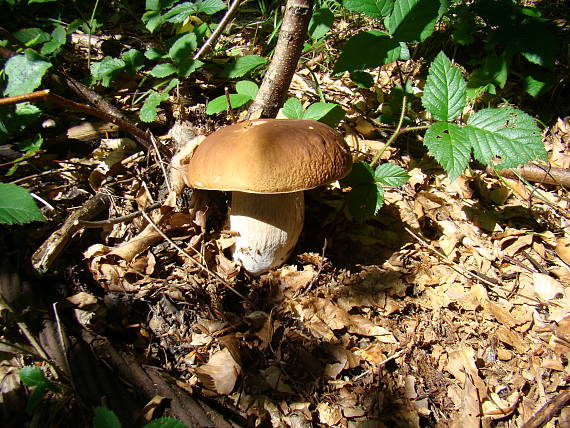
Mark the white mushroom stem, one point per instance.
(267, 226)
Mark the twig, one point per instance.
(161, 163)
(218, 31)
(548, 411)
(394, 134)
(116, 220)
(229, 104)
(194, 261)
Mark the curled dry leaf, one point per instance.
(220, 373)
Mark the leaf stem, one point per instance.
(395, 134)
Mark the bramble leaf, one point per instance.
(106, 69)
(504, 137)
(148, 110)
(444, 92)
(25, 73)
(183, 47)
(373, 8)
(368, 49)
(247, 87)
(390, 174)
(17, 205)
(220, 103)
(449, 146)
(162, 70)
(414, 20)
(321, 22)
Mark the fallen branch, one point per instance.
(548, 411)
(538, 174)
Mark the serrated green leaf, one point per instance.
(25, 73)
(365, 200)
(134, 61)
(293, 108)
(183, 47)
(105, 418)
(328, 113)
(320, 23)
(504, 137)
(247, 87)
(58, 39)
(163, 70)
(209, 7)
(31, 36)
(148, 111)
(220, 103)
(448, 144)
(106, 69)
(189, 66)
(165, 422)
(373, 8)
(390, 174)
(493, 72)
(180, 12)
(444, 92)
(361, 173)
(17, 205)
(414, 20)
(369, 49)
(242, 66)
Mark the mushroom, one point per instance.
(267, 164)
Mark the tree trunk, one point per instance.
(278, 77)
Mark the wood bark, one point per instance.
(278, 77)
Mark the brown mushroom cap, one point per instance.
(270, 156)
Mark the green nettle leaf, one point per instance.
(31, 36)
(25, 73)
(148, 110)
(134, 61)
(183, 47)
(58, 39)
(106, 69)
(328, 113)
(293, 108)
(242, 66)
(17, 206)
(105, 418)
(162, 70)
(414, 20)
(390, 174)
(369, 49)
(247, 87)
(165, 422)
(373, 8)
(444, 92)
(321, 22)
(448, 144)
(504, 137)
(220, 103)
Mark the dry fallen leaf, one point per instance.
(220, 372)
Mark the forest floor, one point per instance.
(451, 307)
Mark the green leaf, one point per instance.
(180, 12)
(152, 20)
(365, 200)
(369, 49)
(31, 375)
(134, 61)
(153, 54)
(188, 66)
(106, 69)
(414, 20)
(31, 146)
(58, 39)
(444, 92)
(247, 87)
(183, 47)
(105, 418)
(148, 111)
(328, 113)
(165, 422)
(320, 23)
(220, 103)
(209, 7)
(162, 70)
(492, 73)
(361, 173)
(390, 174)
(17, 207)
(448, 144)
(362, 79)
(504, 137)
(25, 73)
(293, 109)
(373, 8)
(31, 36)
(242, 66)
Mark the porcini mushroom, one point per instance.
(267, 164)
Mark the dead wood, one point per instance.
(278, 77)
(539, 174)
(549, 410)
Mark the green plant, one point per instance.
(105, 418)
(34, 377)
(17, 205)
(500, 137)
